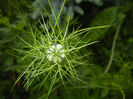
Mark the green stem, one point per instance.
(113, 48)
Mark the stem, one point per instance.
(113, 48)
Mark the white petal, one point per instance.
(50, 57)
(63, 55)
(53, 46)
(58, 46)
(61, 51)
(49, 51)
(55, 59)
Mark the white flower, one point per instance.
(55, 53)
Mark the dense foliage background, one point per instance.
(17, 15)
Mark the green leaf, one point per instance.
(78, 10)
(70, 12)
(7, 37)
(5, 21)
(105, 17)
(97, 2)
(104, 92)
(78, 1)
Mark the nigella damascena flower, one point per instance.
(55, 53)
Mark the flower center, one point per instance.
(55, 53)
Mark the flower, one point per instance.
(55, 53)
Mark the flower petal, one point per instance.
(63, 55)
(49, 56)
(58, 46)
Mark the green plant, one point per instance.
(89, 80)
(54, 53)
